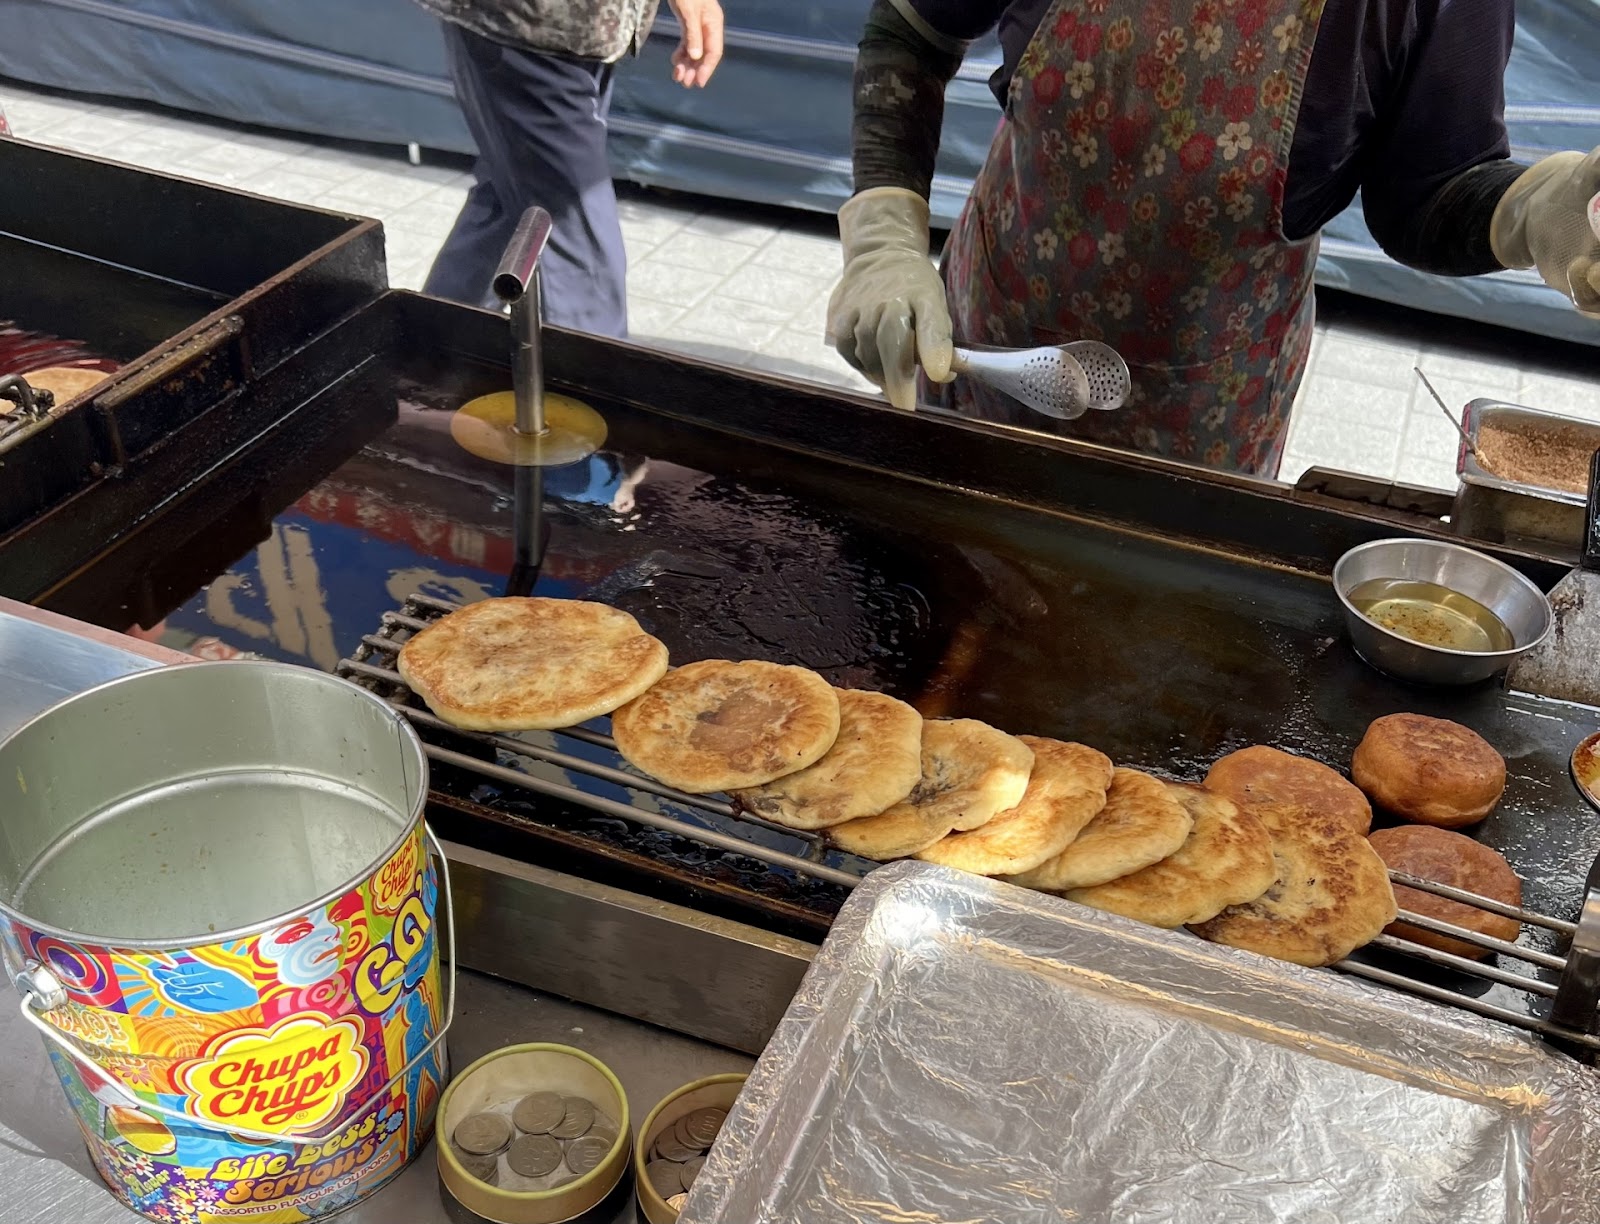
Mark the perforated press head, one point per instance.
(1109, 381)
(1053, 381)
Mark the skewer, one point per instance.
(1466, 437)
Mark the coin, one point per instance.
(586, 1153)
(539, 1113)
(681, 1134)
(534, 1155)
(482, 1134)
(603, 1128)
(485, 1168)
(677, 1201)
(577, 1120)
(663, 1177)
(668, 1147)
(703, 1125)
(691, 1170)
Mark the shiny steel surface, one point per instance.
(517, 283)
(222, 796)
(1109, 380)
(1048, 380)
(1566, 666)
(41, 665)
(1574, 1005)
(683, 971)
(1489, 508)
(1181, 1083)
(1520, 605)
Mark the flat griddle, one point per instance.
(1165, 615)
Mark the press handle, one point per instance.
(1578, 992)
(517, 284)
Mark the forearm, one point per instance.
(900, 78)
(1449, 234)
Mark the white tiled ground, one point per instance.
(749, 286)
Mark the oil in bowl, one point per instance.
(1432, 615)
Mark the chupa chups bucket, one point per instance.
(217, 900)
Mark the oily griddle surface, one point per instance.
(1161, 655)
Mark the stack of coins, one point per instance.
(679, 1153)
(540, 1142)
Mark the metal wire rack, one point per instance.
(373, 665)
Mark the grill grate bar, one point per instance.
(374, 662)
(1440, 995)
(598, 738)
(1534, 957)
(611, 807)
(1525, 916)
(1451, 961)
(552, 756)
(604, 772)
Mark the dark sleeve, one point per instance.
(1440, 164)
(903, 64)
(1449, 235)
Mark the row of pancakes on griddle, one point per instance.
(1261, 857)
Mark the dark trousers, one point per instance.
(539, 121)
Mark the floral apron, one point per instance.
(1134, 194)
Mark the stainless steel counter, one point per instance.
(45, 1174)
(41, 664)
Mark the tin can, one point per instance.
(506, 1075)
(713, 1092)
(217, 899)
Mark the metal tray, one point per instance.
(192, 292)
(1504, 511)
(964, 1050)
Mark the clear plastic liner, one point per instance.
(964, 1051)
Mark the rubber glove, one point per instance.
(889, 312)
(1542, 222)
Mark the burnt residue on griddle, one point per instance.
(767, 576)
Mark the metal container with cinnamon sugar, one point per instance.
(1528, 487)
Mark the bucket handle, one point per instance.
(41, 992)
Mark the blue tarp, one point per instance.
(773, 129)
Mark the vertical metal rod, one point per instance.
(527, 356)
(516, 282)
(530, 531)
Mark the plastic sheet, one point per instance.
(965, 1051)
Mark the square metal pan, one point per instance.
(1500, 511)
(965, 1050)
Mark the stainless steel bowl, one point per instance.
(1520, 605)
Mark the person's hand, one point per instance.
(1543, 221)
(889, 312)
(700, 48)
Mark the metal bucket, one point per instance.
(217, 900)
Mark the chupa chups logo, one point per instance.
(396, 879)
(293, 1076)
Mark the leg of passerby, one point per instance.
(539, 121)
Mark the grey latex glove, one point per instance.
(888, 314)
(1543, 222)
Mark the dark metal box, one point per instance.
(192, 291)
